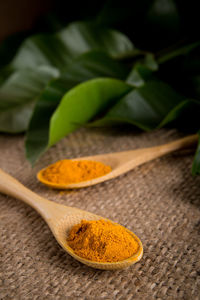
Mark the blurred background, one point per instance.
(143, 21)
(23, 15)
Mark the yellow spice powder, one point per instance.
(102, 241)
(68, 171)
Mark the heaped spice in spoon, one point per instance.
(69, 171)
(102, 241)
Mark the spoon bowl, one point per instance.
(122, 162)
(61, 219)
(66, 223)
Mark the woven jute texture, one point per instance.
(159, 201)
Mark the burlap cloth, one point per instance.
(159, 201)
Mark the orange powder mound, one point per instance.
(102, 241)
(68, 171)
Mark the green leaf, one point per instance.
(82, 37)
(17, 97)
(37, 136)
(181, 69)
(142, 70)
(196, 162)
(188, 109)
(144, 107)
(57, 50)
(41, 50)
(82, 103)
(53, 54)
(173, 53)
(87, 66)
(94, 64)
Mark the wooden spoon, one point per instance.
(60, 219)
(122, 162)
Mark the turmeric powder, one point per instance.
(69, 171)
(102, 241)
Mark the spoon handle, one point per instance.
(158, 151)
(184, 143)
(12, 187)
(133, 158)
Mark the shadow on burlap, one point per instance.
(159, 201)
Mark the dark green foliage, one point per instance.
(145, 72)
